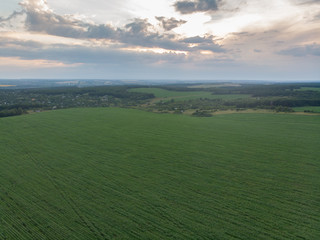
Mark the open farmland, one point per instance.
(109, 173)
(307, 109)
(317, 89)
(167, 95)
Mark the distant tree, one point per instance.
(200, 113)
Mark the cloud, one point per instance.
(188, 7)
(141, 33)
(16, 20)
(32, 52)
(6, 42)
(302, 51)
(39, 18)
(36, 5)
(138, 26)
(35, 63)
(70, 55)
(12, 16)
(204, 43)
(198, 39)
(170, 23)
(307, 1)
(39, 35)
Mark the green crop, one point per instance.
(126, 174)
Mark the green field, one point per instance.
(317, 89)
(315, 109)
(186, 95)
(126, 174)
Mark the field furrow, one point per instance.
(127, 174)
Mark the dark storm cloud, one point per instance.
(302, 51)
(170, 23)
(188, 7)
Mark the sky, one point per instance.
(276, 40)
